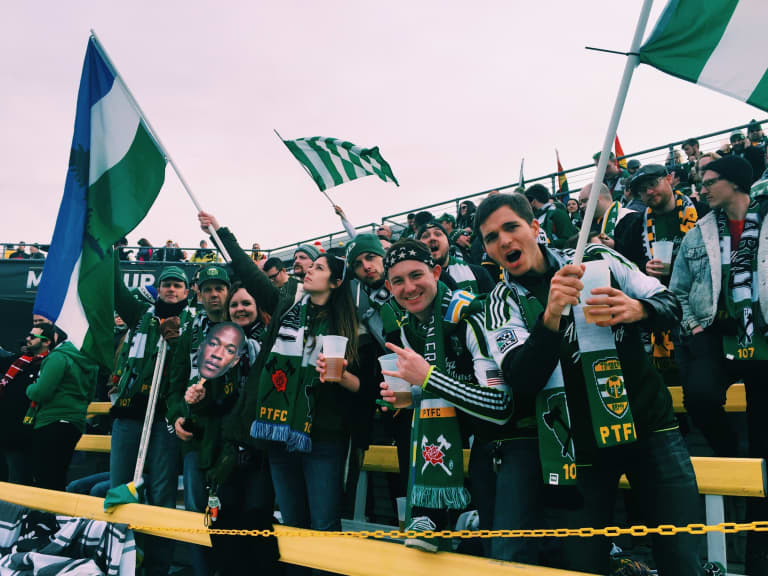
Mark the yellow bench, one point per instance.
(341, 555)
(735, 400)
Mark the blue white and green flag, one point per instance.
(331, 162)
(115, 172)
(720, 44)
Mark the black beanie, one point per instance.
(734, 169)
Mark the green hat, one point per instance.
(447, 218)
(361, 244)
(174, 272)
(213, 273)
(309, 250)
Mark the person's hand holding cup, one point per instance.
(331, 362)
(597, 274)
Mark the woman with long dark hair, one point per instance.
(287, 401)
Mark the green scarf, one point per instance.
(136, 363)
(285, 401)
(553, 423)
(610, 219)
(739, 292)
(436, 479)
(461, 274)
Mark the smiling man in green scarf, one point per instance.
(443, 359)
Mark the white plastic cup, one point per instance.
(401, 388)
(334, 350)
(401, 509)
(597, 274)
(662, 250)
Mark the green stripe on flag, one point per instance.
(325, 158)
(686, 35)
(117, 202)
(298, 153)
(123, 195)
(759, 97)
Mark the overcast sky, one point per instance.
(454, 94)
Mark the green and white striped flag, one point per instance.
(720, 44)
(331, 162)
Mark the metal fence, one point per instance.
(577, 178)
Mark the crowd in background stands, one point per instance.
(472, 306)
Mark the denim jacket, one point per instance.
(696, 278)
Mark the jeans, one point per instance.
(196, 499)
(510, 497)
(160, 477)
(664, 486)
(93, 485)
(309, 486)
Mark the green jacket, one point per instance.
(64, 387)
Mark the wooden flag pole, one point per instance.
(632, 61)
(156, 138)
(307, 171)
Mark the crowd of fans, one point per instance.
(475, 308)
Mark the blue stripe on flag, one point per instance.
(66, 245)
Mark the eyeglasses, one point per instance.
(31, 336)
(643, 187)
(273, 276)
(710, 181)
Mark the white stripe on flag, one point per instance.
(740, 59)
(335, 159)
(316, 162)
(359, 172)
(72, 317)
(114, 122)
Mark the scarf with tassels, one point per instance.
(661, 340)
(436, 479)
(285, 399)
(739, 292)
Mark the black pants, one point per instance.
(52, 449)
(706, 378)
(247, 502)
(663, 483)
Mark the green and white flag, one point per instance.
(331, 162)
(720, 44)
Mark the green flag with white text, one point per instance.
(720, 44)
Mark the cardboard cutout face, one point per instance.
(221, 350)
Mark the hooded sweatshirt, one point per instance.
(65, 386)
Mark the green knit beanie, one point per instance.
(363, 243)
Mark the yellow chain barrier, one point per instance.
(640, 530)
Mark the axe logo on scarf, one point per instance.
(610, 383)
(434, 454)
(556, 420)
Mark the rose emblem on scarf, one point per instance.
(279, 380)
(432, 454)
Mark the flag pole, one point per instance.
(144, 120)
(307, 171)
(521, 179)
(632, 61)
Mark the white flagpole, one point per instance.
(632, 61)
(156, 138)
